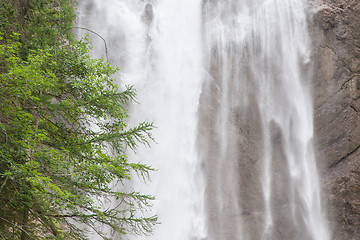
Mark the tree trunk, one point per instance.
(25, 221)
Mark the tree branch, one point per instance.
(3, 184)
(14, 225)
(106, 49)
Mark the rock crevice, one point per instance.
(336, 36)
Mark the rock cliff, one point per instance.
(335, 30)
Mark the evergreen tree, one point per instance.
(63, 132)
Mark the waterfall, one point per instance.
(258, 57)
(157, 46)
(228, 83)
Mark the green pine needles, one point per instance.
(63, 133)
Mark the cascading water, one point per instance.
(228, 85)
(158, 49)
(258, 57)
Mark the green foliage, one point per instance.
(39, 22)
(63, 133)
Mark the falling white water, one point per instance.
(157, 45)
(228, 83)
(259, 58)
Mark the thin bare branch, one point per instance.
(3, 184)
(89, 30)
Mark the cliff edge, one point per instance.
(335, 30)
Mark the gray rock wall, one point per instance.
(335, 30)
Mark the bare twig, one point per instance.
(3, 184)
(14, 225)
(106, 49)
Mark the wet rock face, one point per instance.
(148, 14)
(335, 31)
